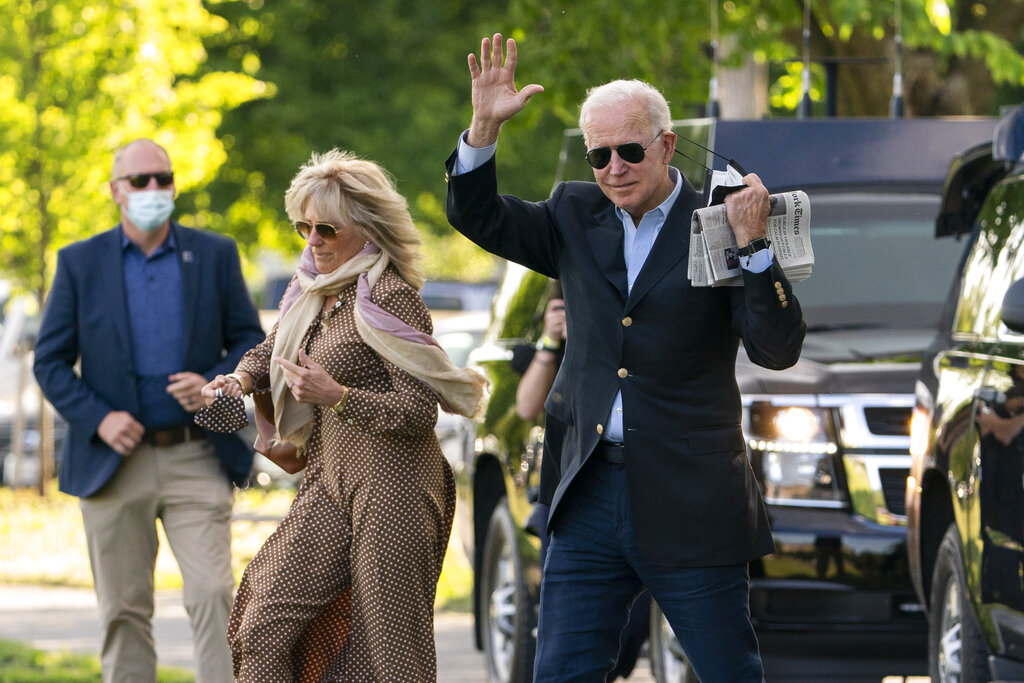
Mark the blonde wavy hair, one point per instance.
(362, 194)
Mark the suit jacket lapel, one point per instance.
(672, 245)
(605, 239)
(111, 272)
(188, 261)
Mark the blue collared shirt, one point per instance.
(638, 240)
(156, 319)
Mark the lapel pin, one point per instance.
(187, 256)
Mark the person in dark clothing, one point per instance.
(654, 486)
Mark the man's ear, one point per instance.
(670, 145)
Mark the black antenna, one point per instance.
(713, 108)
(804, 109)
(896, 103)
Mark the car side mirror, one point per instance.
(1013, 307)
(970, 176)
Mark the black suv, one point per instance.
(829, 438)
(965, 495)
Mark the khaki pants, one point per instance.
(185, 487)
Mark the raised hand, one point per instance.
(495, 97)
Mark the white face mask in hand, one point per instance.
(148, 209)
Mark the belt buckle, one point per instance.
(612, 452)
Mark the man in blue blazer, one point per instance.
(654, 488)
(138, 320)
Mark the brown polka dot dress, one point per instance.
(343, 590)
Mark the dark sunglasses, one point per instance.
(325, 230)
(141, 180)
(631, 152)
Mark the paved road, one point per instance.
(66, 619)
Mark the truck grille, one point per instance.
(888, 420)
(894, 488)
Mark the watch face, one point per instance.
(755, 245)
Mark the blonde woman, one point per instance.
(344, 588)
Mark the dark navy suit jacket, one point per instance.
(86, 321)
(669, 347)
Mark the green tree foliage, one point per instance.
(959, 56)
(79, 78)
(958, 53)
(386, 80)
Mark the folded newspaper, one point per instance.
(714, 254)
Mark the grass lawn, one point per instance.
(22, 664)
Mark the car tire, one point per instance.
(669, 663)
(956, 648)
(507, 609)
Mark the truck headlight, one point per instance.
(793, 451)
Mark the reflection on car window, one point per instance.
(991, 267)
(876, 261)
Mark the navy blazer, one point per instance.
(86, 321)
(670, 348)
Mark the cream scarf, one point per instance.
(459, 390)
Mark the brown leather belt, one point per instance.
(172, 437)
(610, 451)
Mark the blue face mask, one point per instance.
(149, 209)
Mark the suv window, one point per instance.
(877, 262)
(991, 267)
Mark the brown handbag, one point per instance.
(283, 454)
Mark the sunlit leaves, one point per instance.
(80, 78)
(938, 14)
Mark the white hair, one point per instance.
(621, 94)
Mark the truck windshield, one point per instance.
(876, 261)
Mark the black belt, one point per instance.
(610, 451)
(173, 436)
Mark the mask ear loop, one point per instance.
(710, 198)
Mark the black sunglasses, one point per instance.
(325, 230)
(141, 180)
(631, 152)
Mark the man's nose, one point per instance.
(616, 165)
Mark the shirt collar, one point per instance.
(665, 207)
(169, 243)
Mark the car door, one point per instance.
(986, 466)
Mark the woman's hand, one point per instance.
(309, 382)
(226, 386)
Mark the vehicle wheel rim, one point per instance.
(950, 648)
(502, 614)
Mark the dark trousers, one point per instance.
(594, 571)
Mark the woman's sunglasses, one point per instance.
(141, 180)
(325, 230)
(631, 152)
